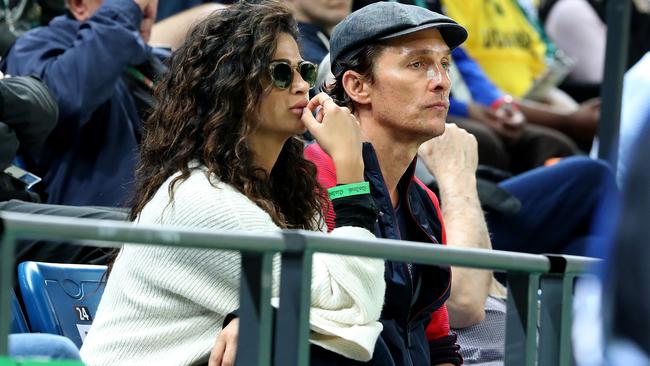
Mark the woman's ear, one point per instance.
(356, 87)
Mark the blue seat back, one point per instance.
(18, 323)
(61, 298)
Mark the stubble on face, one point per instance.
(406, 100)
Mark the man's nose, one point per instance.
(438, 78)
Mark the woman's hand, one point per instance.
(338, 134)
(224, 351)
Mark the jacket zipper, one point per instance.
(408, 266)
(409, 269)
(433, 240)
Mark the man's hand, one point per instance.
(149, 10)
(451, 157)
(225, 348)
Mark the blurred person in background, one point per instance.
(42, 347)
(316, 20)
(28, 112)
(515, 54)
(507, 140)
(626, 284)
(635, 112)
(612, 323)
(579, 28)
(19, 16)
(99, 67)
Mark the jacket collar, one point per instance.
(373, 170)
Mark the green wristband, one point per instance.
(346, 190)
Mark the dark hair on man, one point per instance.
(207, 105)
(363, 62)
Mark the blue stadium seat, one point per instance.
(18, 323)
(61, 298)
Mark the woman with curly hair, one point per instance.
(220, 152)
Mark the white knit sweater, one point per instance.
(165, 306)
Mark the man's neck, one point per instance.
(394, 157)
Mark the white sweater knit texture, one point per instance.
(165, 306)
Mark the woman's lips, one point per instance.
(298, 107)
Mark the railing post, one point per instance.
(292, 326)
(618, 35)
(521, 319)
(255, 312)
(7, 268)
(566, 323)
(555, 344)
(551, 337)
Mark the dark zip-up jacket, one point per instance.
(416, 325)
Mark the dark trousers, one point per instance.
(559, 204)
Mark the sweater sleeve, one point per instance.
(346, 292)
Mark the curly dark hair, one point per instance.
(207, 106)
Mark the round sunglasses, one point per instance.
(282, 73)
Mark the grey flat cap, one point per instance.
(385, 20)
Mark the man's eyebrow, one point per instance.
(426, 52)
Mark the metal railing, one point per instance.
(526, 275)
(616, 52)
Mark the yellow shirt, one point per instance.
(502, 41)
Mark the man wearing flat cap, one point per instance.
(390, 62)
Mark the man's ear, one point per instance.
(79, 9)
(356, 87)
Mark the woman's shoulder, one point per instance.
(203, 200)
(200, 187)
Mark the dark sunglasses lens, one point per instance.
(282, 75)
(309, 72)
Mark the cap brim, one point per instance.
(453, 34)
